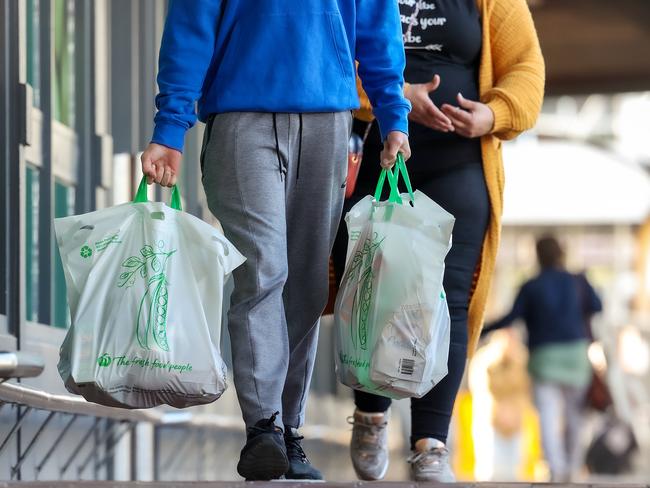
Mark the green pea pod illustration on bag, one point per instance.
(151, 321)
(361, 270)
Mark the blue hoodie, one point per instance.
(278, 56)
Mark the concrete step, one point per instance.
(294, 484)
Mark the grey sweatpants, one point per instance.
(276, 183)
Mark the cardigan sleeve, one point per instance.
(518, 91)
(364, 112)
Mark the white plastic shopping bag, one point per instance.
(391, 313)
(145, 286)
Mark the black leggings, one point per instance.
(461, 191)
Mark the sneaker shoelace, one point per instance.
(268, 426)
(370, 433)
(294, 447)
(431, 460)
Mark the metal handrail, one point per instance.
(41, 400)
(12, 393)
(20, 364)
(119, 423)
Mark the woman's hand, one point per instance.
(423, 110)
(471, 119)
(161, 164)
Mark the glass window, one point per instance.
(63, 81)
(63, 206)
(31, 242)
(33, 48)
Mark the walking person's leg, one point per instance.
(316, 172)
(369, 443)
(575, 420)
(549, 401)
(462, 192)
(246, 191)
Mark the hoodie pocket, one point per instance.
(341, 46)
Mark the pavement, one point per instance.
(293, 484)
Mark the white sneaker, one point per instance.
(369, 445)
(430, 462)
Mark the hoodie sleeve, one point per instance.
(380, 53)
(185, 54)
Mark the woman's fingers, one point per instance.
(459, 117)
(457, 114)
(465, 103)
(437, 116)
(431, 122)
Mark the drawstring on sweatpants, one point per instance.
(281, 168)
(299, 147)
(277, 146)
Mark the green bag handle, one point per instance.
(389, 174)
(393, 177)
(401, 166)
(141, 195)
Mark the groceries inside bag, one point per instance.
(391, 315)
(145, 286)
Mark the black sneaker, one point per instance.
(264, 456)
(299, 466)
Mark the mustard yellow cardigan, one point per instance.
(511, 83)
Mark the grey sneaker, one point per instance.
(430, 462)
(369, 445)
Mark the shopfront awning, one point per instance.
(567, 183)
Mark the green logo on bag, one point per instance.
(86, 252)
(104, 360)
(151, 322)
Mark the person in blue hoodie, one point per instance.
(274, 82)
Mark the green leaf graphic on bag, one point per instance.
(151, 322)
(361, 269)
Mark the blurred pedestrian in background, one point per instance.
(555, 306)
(475, 77)
(501, 409)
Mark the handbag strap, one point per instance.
(367, 132)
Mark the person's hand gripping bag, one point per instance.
(391, 315)
(145, 286)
